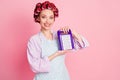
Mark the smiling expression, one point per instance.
(46, 19)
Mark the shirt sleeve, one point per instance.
(80, 44)
(37, 62)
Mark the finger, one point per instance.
(66, 51)
(61, 29)
(66, 29)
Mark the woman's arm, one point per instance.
(79, 40)
(58, 53)
(36, 61)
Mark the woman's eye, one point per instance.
(51, 17)
(43, 16)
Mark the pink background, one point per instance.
(97, 20)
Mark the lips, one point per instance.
(47, 25)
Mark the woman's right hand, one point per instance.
(59, 53)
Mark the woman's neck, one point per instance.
(47, 34)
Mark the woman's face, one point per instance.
(46, 19)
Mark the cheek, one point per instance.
(53, 20)
(42, 21)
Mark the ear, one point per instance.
(38, 18)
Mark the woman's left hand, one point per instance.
(64, 29)
(74, 33)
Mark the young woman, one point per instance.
(44, 57)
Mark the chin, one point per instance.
(47, 28)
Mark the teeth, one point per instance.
(46, 24)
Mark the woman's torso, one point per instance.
(58, 69)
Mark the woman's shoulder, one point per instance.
(35, 37)
(34, 40)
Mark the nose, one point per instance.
(47, 20)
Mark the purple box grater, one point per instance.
(65, 40)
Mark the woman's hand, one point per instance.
(74, 33)
(64, 29)
(58, 53)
